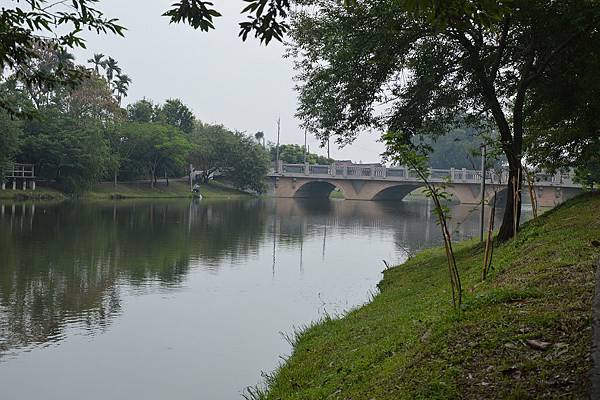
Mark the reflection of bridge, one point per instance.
(372, 182)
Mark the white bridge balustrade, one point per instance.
(403, 173)
(378, 182)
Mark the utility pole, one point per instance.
(481, 222)
(191, 177)
(277, 148)
(328, 146)
(304, 145)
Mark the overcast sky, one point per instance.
(243, 86)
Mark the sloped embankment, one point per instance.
(408, 343)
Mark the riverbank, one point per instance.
(175, 189)
(105, 191)
(40, 193)
(524, 333)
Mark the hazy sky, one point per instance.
(243, 86)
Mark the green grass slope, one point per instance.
(409, 343)
(176, 189)
(41, 193)
(106, 190)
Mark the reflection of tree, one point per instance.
(64, 262)
(412, 223)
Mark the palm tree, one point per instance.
(112, 69)
(98, 61)
(122, 86)
(260, 136)
(64, 58)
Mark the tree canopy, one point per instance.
(294, 154)
(58, 25)
(81, 135)
(420, 67)
(459, 148)
(234, 156)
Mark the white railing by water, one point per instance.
(403, 173)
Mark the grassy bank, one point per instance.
(40, 193)
(408, 343)
(104, 191)
(176, 189)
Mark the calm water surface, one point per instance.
(184, 300)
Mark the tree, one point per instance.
(51, 62)
(260, 137)
(266, 18)
(232, 155)
(24, 28)
(98, 62)
(294, 154)
(10, 142)
(176, 114)
(154, 147)
(420, 67)
(563, 128)
(122, 86)
(249, 165)
(141, 111)
(93, 100)
(414, 156)
(212, 146)
(588, 173)
(459, 148)
(69, 151)
(111, 69)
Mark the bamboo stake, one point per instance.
(533, 196)
(516, 205)
(489, 243)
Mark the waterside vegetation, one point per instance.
(134, 190)
(524, 332)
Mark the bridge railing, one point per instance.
(319, 169)
(293, 168)
(405, 173)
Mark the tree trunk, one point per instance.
(115, 178)
(507, 230)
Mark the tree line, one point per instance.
(79, 136)
(526, 70)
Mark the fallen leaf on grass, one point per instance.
(538, 344)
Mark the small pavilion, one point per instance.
(21, 176)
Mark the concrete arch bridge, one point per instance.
(371, 182)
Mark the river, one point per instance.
(183, 299)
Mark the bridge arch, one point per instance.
(396, 192)
(316, 189)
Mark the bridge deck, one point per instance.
(404, 174)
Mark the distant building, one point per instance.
(349, 163)
(343, 163)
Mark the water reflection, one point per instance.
(73, 268)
